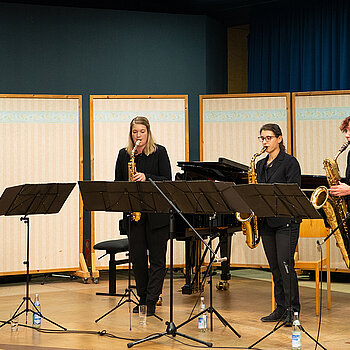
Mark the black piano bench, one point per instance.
(113, 247)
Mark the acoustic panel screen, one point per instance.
(231, 124)
(317, 118)
(111, 117)
(230, 129)
(39, 138)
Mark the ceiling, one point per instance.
(229, 12)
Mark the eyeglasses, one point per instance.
(267, 138)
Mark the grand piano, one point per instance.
(222, 225)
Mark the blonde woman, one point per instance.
(147, 237)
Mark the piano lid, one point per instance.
(228, 170)
(222, 163)
(222, 170)
(313, 181)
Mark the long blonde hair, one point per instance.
(150, 145)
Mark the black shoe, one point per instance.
(274, 316)
(151, 308)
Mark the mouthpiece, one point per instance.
(342, 149)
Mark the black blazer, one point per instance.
(284, 169)
(347, 173)
(347, 180)
(155, 166)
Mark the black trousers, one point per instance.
(147, 244)
(279, 245)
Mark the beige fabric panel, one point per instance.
(111, 118)
(234, 141)
(231, 126)
(317, 119)
(40, 144)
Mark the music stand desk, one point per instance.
(33, 199)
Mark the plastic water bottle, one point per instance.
(296, 333)
(36, 315)
(202, 319)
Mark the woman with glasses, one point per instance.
(279, 235)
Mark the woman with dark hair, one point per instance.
(279, 235)
(343, 189)
(150, 234)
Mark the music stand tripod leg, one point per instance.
(288, 312)
(27, 298)
(127, 296)
(287, 315)
(211, 309)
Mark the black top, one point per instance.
(347, 172)
(283, 169)
(347, 179)
(155, 166)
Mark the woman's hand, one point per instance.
(139, 177)
(341, 189)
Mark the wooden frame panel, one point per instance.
(41, 139)
(229, 126)
(316, 118)
(110, 116)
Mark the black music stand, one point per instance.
(33, 199)
(115, 196)
(150, 197)
(204, 197)
(279, 200)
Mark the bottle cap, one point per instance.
(295, 313)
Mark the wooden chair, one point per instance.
(313, 229)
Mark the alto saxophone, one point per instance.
(249, 220)
(334, 207)
(135, 216)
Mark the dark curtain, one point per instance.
(302, 46)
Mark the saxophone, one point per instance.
(249, 220)
(135, 216)
(334, 207)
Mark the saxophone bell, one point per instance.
(243, 217)
(319, 197)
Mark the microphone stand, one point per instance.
(319, 243)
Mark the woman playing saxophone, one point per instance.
(279, 235)
(343, 189)
(147, 236)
